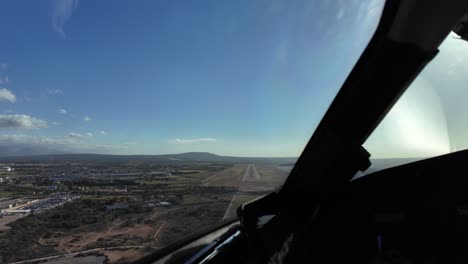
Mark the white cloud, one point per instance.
(89, 134)
(75, 135)
(63, 10)
(55, 123)
(20, 144)
(7, 95)
(21, 122)
(104, 133)
(193, 140)
(19, 138)
(87, 118)
(54, 91)
(62, 111)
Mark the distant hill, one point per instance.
(200, 156)
(158, 159)
(183, 158)
(188, 157)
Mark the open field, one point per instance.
(86, 224)
(270, 177)
(228, 178)
(63, 231)
(250, 181)
(125, 211)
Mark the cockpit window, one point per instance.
(430, 117)
(128, 125)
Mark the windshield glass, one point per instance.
(128, 125)
(430, 117)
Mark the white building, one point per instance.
(6, 169)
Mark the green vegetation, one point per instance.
(121, 209)
(22, 240)
(12, 192)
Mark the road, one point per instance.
(222, 173)
(230, 211)
(251, 173)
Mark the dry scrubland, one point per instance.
(86, 231)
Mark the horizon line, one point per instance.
(167, 154)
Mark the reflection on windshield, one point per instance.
(188, 108)
(429, 119)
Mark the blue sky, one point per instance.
(244, 78)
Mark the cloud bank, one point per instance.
(75, 135)
(21, 122)
(27, 145)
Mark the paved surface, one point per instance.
(222, 173)
(230, 211)
(251, 173)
